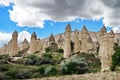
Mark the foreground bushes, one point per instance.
(74, 65)
(116, 57)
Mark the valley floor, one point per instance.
(91, 76)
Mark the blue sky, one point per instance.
(46, 17)
(55, 27)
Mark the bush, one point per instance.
(50, 71)
(19, 74)
(23, 74)
(74, 65)
(48, 49)
(116, 57)
(3, 68)
(12, 73)
(49, 55)
(5, 57)
(4, 77)
(32, 60)
(47, 70)
(60, 50)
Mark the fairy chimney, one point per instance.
(76, 42)
(67, 46)
(33, 43)
(24, 45)
(106, 50)
(14, 44)
(51, 38)
(60, 41)
(84, 35)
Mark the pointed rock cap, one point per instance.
(51, 38)
(84, 29)
(76, 31)
(89, 39)
(60, 38)
(68, 28)
(111, 33)
(15, 33)
(103, 29)
(25, 41)
(34, 35)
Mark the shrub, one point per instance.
(48, 49)
(5, 57)
(23, 74)
(32, 60)
(74, 65)
(19, 74)
(60, 50)
(115, 57)
(12, 73)
(50, 71)
(49, 55)
(4, 77)
(41, 70)
(3, 68)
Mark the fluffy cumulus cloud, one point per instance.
(6, 37)
(33, 12)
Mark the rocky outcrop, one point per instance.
(84, 35)
(33, 43)
(76, 42)
(67, 46)
(14, 44)
(106, 49)
(24, 45)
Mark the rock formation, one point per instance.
(106, 49)
(33, 43)
(60, 41)
(14, 44)
(24, 45)
(67, 46)
(52, 45)
(84, 35)
(76, 42)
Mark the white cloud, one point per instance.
(22, 35)
(32, 13)
(116, 29)
(6, 37)
(5, 2)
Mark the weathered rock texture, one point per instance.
(60, 41)
(14, 44)
(84, 35)
(33, 43)
(106, 49)
(76, 42)
(67, 46)
(24, 45)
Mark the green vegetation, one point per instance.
(49, 64)
(74, 65)
(116, 57)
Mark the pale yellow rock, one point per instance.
(76, 42)
(33, 43)
(14, 44)
(84, 35)
(67, 46)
